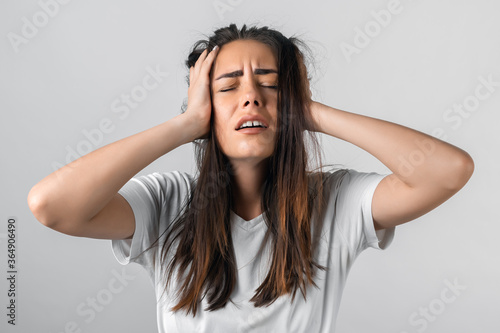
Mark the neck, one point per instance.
(247, 185)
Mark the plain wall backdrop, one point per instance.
(66, 68)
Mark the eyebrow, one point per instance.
(258, 71)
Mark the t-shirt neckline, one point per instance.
(247, 224)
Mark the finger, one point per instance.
(209, 60)
(199, 62)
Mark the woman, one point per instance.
(228, 250)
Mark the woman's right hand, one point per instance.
(199, 107)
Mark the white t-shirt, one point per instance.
(342, 232)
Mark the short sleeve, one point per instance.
(354, 220)
(155, 199)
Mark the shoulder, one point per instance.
(328, 179)
(161, 186)
(348, 178)
(167, 178)
(345, 185)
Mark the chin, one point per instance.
(255, 158)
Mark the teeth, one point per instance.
(252, 123)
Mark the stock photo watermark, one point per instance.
(455, 115)
(12, 270)
(30, 28)
(89, 309)
(425, 315)
(408, 163)
(380, 20)
(223, 6)
(417, 157)
(121, 106)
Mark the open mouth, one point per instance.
(252, 130)
(251, 124)
(242, 128)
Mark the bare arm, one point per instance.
(81, 198)
(426, 170)
(72, 199)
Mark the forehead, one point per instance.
(236, 54)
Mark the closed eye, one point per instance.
(228, 89)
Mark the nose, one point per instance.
(256, 102)
(251, 95)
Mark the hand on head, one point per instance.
(199, 102)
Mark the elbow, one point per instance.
(463, 170)
(38, 206)
(52, 216)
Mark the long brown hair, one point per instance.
(203, 252)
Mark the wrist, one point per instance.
(315, 108)
(188, 125)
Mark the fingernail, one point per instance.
(215, 47)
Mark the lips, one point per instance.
(252, 130)
(252, 118)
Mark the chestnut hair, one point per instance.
(204, 253)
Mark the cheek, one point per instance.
(222, 111)
(221, 123)
(221, 106)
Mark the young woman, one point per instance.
(228, 249)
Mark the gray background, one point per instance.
(69, 76)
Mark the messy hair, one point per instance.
(199, 243)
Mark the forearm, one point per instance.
(415, 157)
(82, 188)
